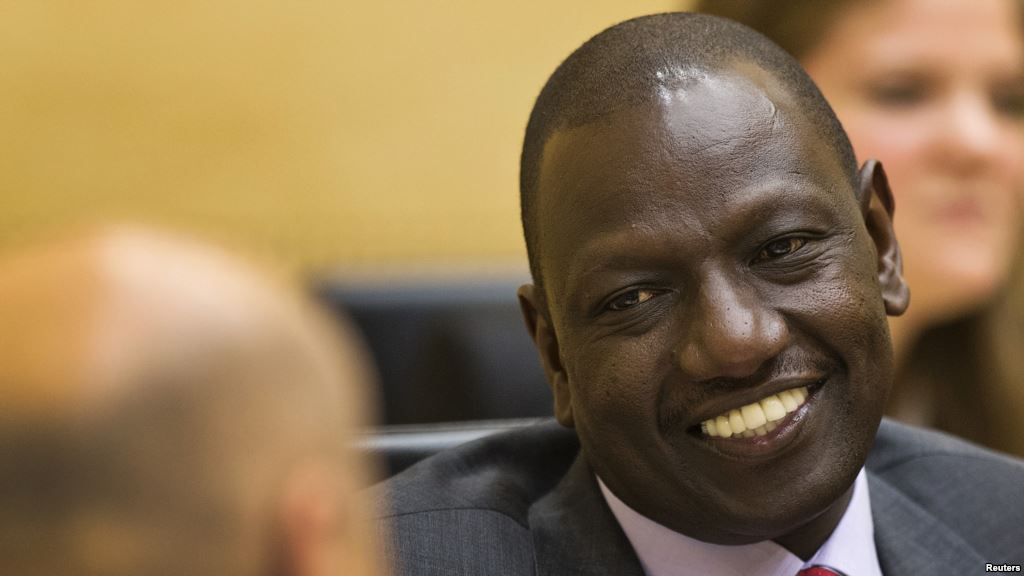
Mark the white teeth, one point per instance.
(724, 430)
(773, 408)
(736, 422)
(753, 415)
(757, 418)
(788, 400)
(709, 427)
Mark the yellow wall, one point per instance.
(324, 133)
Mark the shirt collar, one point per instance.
(664, 552)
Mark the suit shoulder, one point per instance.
(899, 446)
(969, 488)
(504, 472)
(464, 511)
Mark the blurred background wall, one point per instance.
(322, 134)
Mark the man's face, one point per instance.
(702, 253)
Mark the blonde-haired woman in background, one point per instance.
(935, 90)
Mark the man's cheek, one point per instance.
(610, 385)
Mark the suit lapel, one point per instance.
(910, 541)
(574, 532)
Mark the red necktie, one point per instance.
(818, 571)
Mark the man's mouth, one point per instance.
(757, 418)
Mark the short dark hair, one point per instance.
(626, 64)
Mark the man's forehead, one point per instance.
(703, 88)
(715, 133)
(719, 107)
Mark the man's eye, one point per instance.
(780, 248)
(631, 298)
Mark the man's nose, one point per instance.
(731, 330)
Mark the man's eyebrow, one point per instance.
(798, 184)
(611, 252)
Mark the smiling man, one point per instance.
(712, 274)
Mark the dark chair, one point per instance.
(446, 351)
(395, 448)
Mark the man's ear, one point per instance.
(877, 207)
(309, 511)
(538, 323)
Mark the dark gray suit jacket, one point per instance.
(524, 502)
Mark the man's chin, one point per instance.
(763, 504)
(758, 522)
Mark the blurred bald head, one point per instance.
(170, 410)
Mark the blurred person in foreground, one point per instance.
(935, 90)
(712, 273)
(169, 410)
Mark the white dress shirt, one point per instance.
(664, 552)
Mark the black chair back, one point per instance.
(446, 352)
